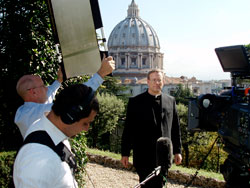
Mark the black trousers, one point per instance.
(155, 182)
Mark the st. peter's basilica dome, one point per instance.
(135, 46)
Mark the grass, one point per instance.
(192, 171)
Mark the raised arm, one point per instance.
(107, 66)
(52, 89)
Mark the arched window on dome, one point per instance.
(123, 63)
(133, 63)
(145, 63)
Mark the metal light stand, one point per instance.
(59, 55)
(104, 40)
(59, 59)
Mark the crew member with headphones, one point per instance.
(43, 160)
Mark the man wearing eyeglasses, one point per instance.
(38, 98)
(150, 115)
(44, 160)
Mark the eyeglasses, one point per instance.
(156, 80)
(36, 87)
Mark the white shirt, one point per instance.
(29, 112)
(38, 166)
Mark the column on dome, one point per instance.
(127, 60)
(117, 60)
(150, 60)
(158, 60)
(161, 61)
(154, 64)
(139, 60)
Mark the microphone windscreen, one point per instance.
(164, 152)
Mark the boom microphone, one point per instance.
(164, 153)
(164, 158)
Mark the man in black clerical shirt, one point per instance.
(150, 115)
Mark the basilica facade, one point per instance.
(135, 46)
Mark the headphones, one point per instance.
(75, 112)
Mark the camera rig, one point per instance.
(229, 114)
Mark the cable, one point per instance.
(166, 181)
(74, 181)
(89, 177)
(196, 173)
(218, 158)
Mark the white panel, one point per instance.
(77, 36)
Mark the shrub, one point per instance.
(199, 149)
(6, 163)
(78, 144)
(196, 146)
(111, 111)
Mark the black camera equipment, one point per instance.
(229, 115)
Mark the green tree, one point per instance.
(113, 86)
(111, 110)
(26, 46)
(247, 46)
(185, 134)
(182, 94)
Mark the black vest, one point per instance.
(42, 137)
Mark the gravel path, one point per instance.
(105, 177)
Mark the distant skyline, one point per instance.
(188, 31)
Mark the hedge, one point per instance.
(6, 163)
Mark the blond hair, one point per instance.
(153, 71)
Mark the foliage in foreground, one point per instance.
(27, 47)
(78, 144)
(6, 163)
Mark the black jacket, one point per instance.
(141, 132)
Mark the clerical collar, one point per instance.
(155, 96)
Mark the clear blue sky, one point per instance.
(188, 30)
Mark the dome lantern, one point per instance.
(133, 10)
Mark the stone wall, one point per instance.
(173, 174)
